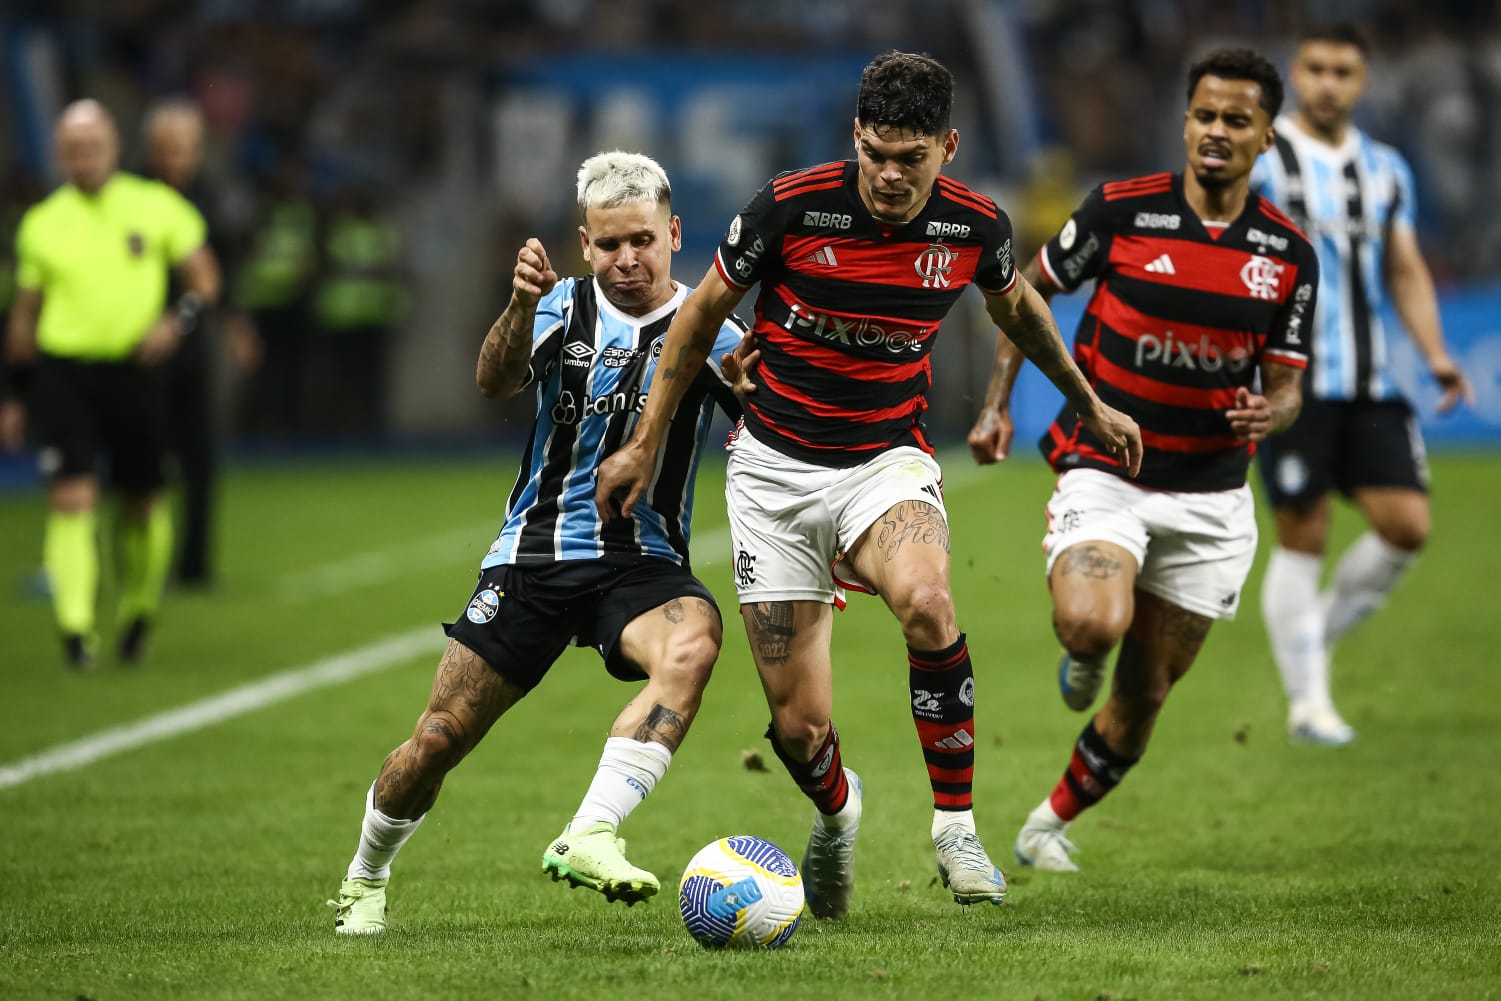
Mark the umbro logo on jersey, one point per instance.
(578, 354)
(1162, 266)
(825, 256)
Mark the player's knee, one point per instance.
(927, 609)
(1087, 632)
(687, 662)
(439, 743)
(1409, 534)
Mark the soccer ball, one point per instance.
(741, 892)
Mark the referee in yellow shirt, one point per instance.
(88, 330)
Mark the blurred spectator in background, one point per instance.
(360, 299)
(274, 283)
(174, 154)
(90, 328)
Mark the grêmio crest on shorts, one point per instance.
(1182, 315)
(849, 307)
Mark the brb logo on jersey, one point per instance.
(568, 410)
(1200, 356)
(1263, 277)
(934, 266)
(829, 220)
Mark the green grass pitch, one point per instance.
(1229, 865)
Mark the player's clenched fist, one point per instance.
(534, 276)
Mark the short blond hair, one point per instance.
(614, 178)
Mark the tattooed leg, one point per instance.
(905, 556)
(1160, 647)
(675, 645)
(789, 641)
(1093, 585)
(467, 698)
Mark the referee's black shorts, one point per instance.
(84, 412)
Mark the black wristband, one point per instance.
(19, 377)
(189, 307)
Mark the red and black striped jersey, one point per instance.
(1182, 314)
(849, 308)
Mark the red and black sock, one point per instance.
(822, 779)
(1093, 771)
(943, 707)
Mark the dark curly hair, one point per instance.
(1337, 33)
(906, 90)
(1240, 64)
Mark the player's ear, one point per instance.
(675, 232)
(950, 145)
(584, 242)
(1269, 139)
(857, 131)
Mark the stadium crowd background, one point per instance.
(446, 131)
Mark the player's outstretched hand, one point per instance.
(737, 365)
(534, 276)
(990, 438)
(621, 480)
(1452, 381)
(1119, 434)
(1251, 417)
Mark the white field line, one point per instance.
(278, 687)
(322, 580)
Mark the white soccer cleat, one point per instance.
(1320, 725)
(966, 869)
(829, 863)
(1044, 847)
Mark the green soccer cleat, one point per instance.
(595, 857)
(361, 907)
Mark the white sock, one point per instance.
(381, 837)
(944, 819)
(1295, 625)
(1045, 816)
(628, 771)
(1367, 573)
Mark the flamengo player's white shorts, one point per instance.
(1191, 549)
(790, 520)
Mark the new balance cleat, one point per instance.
(1079, 682)
(829, 862)
(1045, 848)
(1319, 725)
(965, 868)
(595, 858)
(361, 907)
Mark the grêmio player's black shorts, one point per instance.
(84, 411)
(521, 618)
(1343, 445)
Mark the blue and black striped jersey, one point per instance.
(592, 367)
(1347, 200)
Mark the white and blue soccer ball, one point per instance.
(741, 892)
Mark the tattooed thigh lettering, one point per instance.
(1089, 561)
(911, 522)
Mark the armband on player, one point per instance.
(188, 307)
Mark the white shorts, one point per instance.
(790, 520)
(1193, 549)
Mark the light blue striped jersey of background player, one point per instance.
(592, 367)
(1346, 201)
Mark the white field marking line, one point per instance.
(335, 670)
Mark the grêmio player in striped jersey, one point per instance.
(831, 482)
(1200, 287)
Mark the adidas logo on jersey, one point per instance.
(1163, 266)
(825, 256)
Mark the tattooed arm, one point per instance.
(1027, 328)
(507, 350)
(623, 477)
